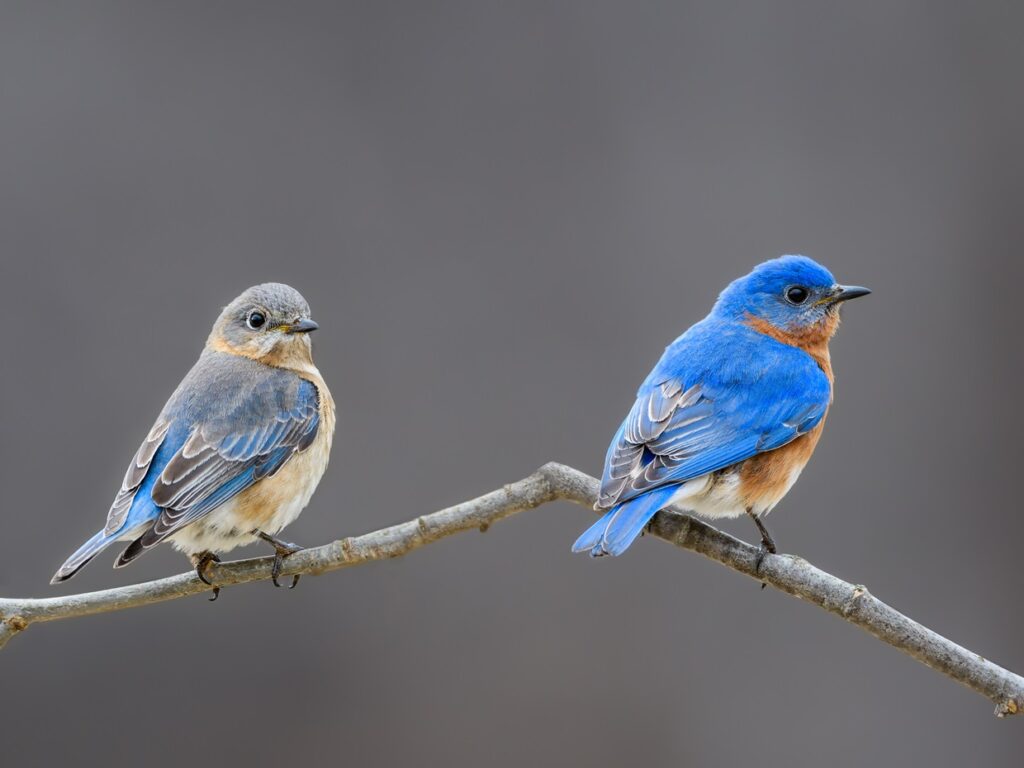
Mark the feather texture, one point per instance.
(733, 409)
(706, 406)
(218, 463)
(253, 419)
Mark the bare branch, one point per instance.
(787, 573)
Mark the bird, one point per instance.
(238, 450)
(730, 415)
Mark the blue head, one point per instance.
(791, 293)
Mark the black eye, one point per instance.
(255, 320)
(797, 294)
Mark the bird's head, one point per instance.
(269, 323)
(790, 295)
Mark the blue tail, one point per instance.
(83, 555)
(616, 530)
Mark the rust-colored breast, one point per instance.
(767, 477)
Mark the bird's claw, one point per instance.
(201, 562)
(282, 549)
(764, 549)
(275, 569)
(761, 552)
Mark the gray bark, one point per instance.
(788, 573)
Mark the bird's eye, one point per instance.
(797, 294)
(256, 320)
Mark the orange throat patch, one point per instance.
(293, 355)
(813, 340)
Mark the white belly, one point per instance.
(718, 495)
(714, 495)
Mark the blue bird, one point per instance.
(732, 412)
(239, 448)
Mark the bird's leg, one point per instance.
(201, 561)
(281, 550)
(767, 543)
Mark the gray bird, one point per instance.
(239, 448)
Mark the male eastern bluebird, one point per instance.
(239, 448)
(732, 412)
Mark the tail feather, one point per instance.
(82, 556)
(619, 527)
(591, 538)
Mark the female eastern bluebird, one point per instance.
(732, 412)
(239, 448)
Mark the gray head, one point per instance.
(268, 322)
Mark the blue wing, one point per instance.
(719, 395)
(230, 423)
(249, 439)
(133, 509)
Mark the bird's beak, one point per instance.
(305, 325)
(847, 292)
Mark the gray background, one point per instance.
(500, 215)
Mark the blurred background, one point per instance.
(500, 214)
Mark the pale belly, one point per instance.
(755, 485)
(724, 494)
(269, 505)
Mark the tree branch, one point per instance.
(787, 573)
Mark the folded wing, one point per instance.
(250, 438)
(684, 426)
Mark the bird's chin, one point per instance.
(830, 323)
(291, 350)
(302, 340)
(286, 350)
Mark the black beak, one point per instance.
(847, 292)
(302, 326)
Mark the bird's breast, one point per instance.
(277, 500)
(765, 478)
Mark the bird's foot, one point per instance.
(767, 544)
(201, 561)
(281, 550)
(761, 552)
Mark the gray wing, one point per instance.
(243, 430)
(133, 478)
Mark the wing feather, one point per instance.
(689, 421)
(223, 456)
(133, 478)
